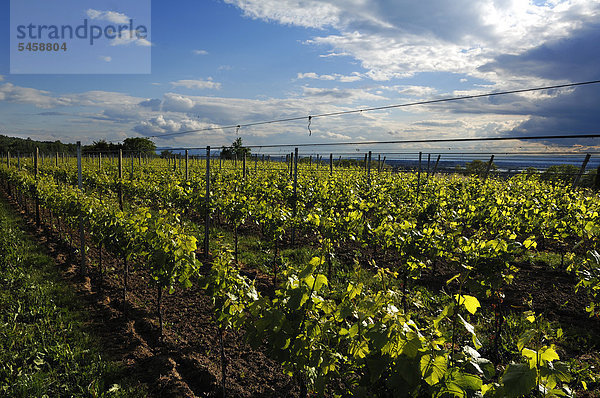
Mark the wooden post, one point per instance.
(436, 164)
(37, 199)
(489, 166)
(244, 166)
(121, 179)
(83, 269)
(581, 171)
(295, 197)
(419, 176)
(131, 172)
(369, 167)
(8, 159)
(187, 170)
(207, 216)
(379, 162)
(331, 164)
(428, 164)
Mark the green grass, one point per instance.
(45, 350)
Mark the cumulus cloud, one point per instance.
(197, 84)
(399, 39)
(105, 58)
(164, 125)
(310, 14)
(110, 16)
(199, 52)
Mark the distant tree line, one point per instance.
(16, 145)
(560, 173)
(27, 145)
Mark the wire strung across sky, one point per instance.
(415, 141)
(378, 108)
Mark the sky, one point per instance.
(228, 62)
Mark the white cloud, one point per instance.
(105, 58)
(398, 39)
(338, 94)
(197, 84)
(200, 52)
(25, 95)
(176, 123)
(110, 16)
(412, 90)
(130, 37)
(337, 136)
(353, 77)
(310, 14)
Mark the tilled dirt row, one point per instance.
(186, 361)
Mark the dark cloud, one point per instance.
(52, 113)
(575, 59)
(573, 111)
(153, 104)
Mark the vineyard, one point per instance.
(337, 281)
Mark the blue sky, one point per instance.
(230, 62)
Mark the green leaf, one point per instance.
(530, 243)
(310, 268)
(525, 338)
(470, 302)
(320, 281)
(467, 381)
(470, 328)
(353, 330)
(412, 345)
(433, 370)
(548, 354)
(532, 357)
(359, 349)
(531, 318)
(518, 379)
